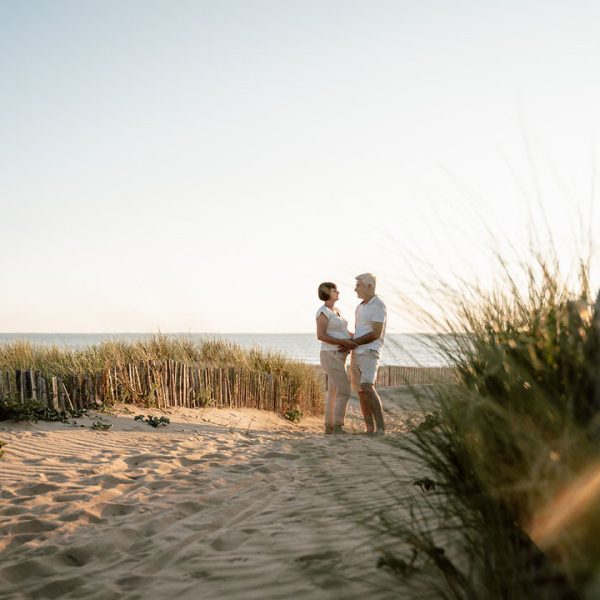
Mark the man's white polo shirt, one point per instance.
(373, 311)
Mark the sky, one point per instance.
(196, 166)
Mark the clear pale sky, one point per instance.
(202, 166)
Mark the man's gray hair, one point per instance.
(368, 279)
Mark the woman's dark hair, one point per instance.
(325, 290)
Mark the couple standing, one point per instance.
(365, 345)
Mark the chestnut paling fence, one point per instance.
(163, 384)
(168, 383)
(392, 376)
(396, 376)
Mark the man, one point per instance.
(369, 334)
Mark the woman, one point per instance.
(333, 332)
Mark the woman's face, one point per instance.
(334, 294)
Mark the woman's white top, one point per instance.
(337, 327)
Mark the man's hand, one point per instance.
(347, 345)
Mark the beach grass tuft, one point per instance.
(511, 450)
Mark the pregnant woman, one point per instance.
(332, 331)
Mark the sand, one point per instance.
(219, 504)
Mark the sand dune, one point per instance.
(218, 504)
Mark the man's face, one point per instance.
(360, 289)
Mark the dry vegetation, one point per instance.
(162, 371)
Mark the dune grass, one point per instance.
(512, 453)
(65, 361)
(95, 360)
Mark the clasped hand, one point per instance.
(347, 345)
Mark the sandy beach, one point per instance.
(218, 504)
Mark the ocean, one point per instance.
(399, 349)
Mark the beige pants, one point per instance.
(338, 389)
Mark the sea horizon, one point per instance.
(406, 349)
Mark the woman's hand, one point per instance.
(347, 345)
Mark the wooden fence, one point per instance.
(394, 376)
(169, 383)
(164, 384)
(391, 376)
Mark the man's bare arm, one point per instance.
(370, 337)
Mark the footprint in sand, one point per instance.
(140, 459)
(262, 469)
(70, 497)
(116, 509)
(247, 442)
(286, 455)
(25, 569)
(189, 508)
(230, 541)
(317, 557)
(12, 511)
(131, 582)
(72, 460)
(59, 587)
(76, 556)
(214, 455)
(159, 484)
(83, 515)
(28, 525)
(238, 468)
(192, 459)
(112, 482)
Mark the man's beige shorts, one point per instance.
(363, 368)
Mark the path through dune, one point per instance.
(219, 504)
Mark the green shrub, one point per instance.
(35, 411)
(152, 421)
(293, 414)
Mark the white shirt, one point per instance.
(373, 311)
(337, 327)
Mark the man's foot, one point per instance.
(378, 432)
(339, 429)
(328, 429)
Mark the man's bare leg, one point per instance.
(365, 408)
(376, 408)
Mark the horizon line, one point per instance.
(185, 332)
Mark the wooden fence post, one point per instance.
(41, 388)
(55, 394)
(32, 385)
(68, 401)
(61, 395)
(7, 385)
(20, 377)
